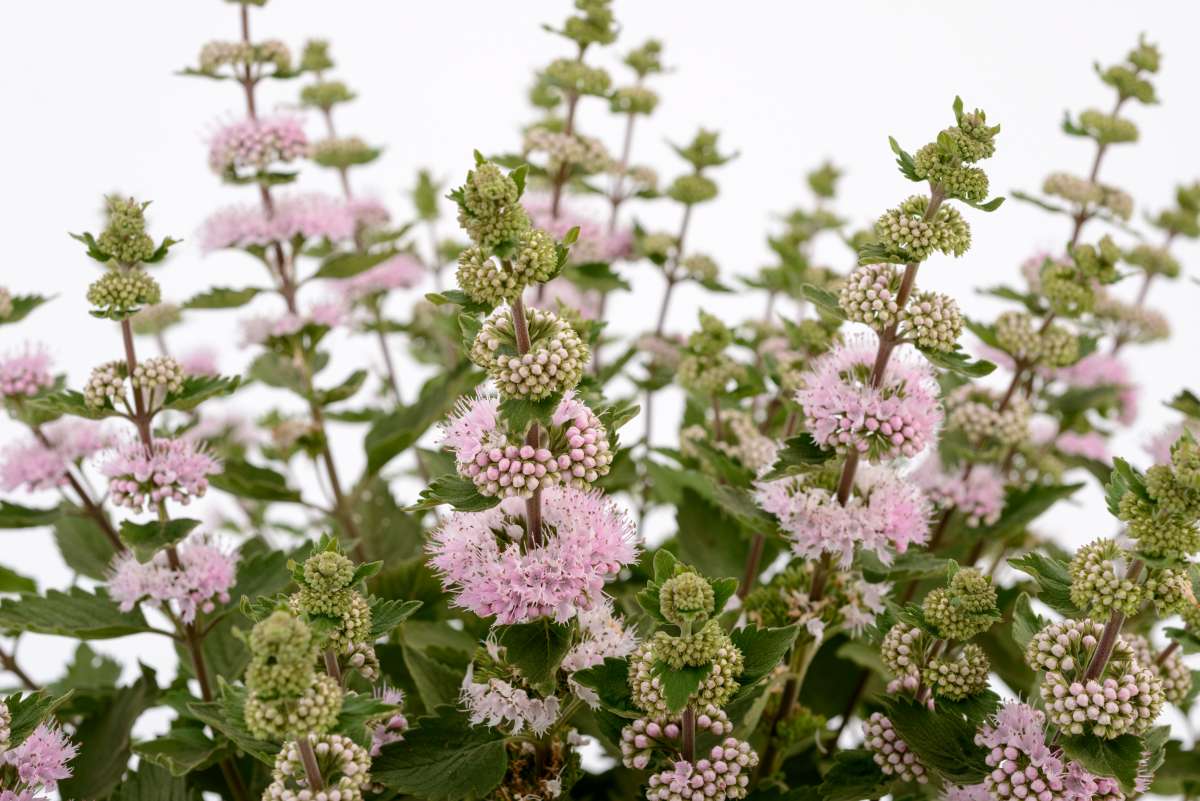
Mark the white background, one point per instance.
(94, 107)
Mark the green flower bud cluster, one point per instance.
(596, 25)
(158, 374)
(1173, 672)
(1184, 218)
(287, 697)
(634, 100)
(908, 236)
(1018, 337)
(1129, 84)
(964, 608)
(945, 161)
(1165, 523)
(156, 319)
(489, 207)
(344, 766)
(932, 320)
(692, 189)
(325, 94)
(708, 374)
(1169, 590)
(567, 151)
(487, 280)
(121, 293)
(1154, 260)
(975, 412)
(1098, 582)
(1107, 129)
(715, 689)
(712, 337)
(656, 246)
(958, 677)
(870, 295)
(575, 77)
(105, 384)
(1098, 262)
(699, 267)
(686, 599)
(326, 591)
(315, 56)
(903, 650)
(553, 364)
(1125, 698)
(690, 650)
(1083, 192)
(215, 55)
(823, 180)
(646, 59)
(1145, 56)
(702, 151)
(124, 238)
(342, 152)
(1067, 294)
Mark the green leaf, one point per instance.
(22, 305)
(197, 389)
(798, 455)
(12, 581)
(239, 477)
(762, 649)
(14, 516)
(597, 276)
(387, 613)
(225, 715)
(904, 161)
(943, 739)
(455, 490)
(958, 362)
(437, 683)
(444, 758)
(28, 710)
(610, 681)
(1125, 478)
(146, 539)
(912, 565)
(679, 685)
(153, 783)
(824, 300)
(457, 297)
(1187, 639)
(1186, 402)
(536, 649)
(352, 384)
(394, 433)
(67, 401)
(222, 297)
(853, 776)
(1025, 622)
(348, 265)
(83, 545)
(1054, 582)
(518, 413)
(76, 613)
(989, 206)
(1117, 758)
(89, 672)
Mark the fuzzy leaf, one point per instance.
(536, 649)
(387, 614)
(762, 649)
(943, 739)
(222, 297)
(352, 384)
(798, 455)
(348, 265)
(1054, 582)
(153, 783)
(610, 681)
(1025, 622)
(181, 750)
(197, 389)
(146, 539)
(76, 613)
(444, 758)
(904, 161)
(22, 305)
(392, 434)
(14, 516)
(956, 361)
(679, 685)
(1118, 758)
(456, 491)
(824, 300)
(245, 480)
(853, 776)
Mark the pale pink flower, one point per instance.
(562, 291)
(329, 313)
(401, 271)
(843, 411)
(978, 496)
(865, 601)
(253, 145)
(721, 773)
(200, 361)
(596, 243)
(1016, 739)
(26, 373)
(391, 730)
(885, 513)
(41, 760)
(1159, 446)
(41, 466)
(308, 216)
(602, 636)
(204, 577)
(257, 330)
(1089, 445)
(972, 792)
(496, 703)
(368, 212)
(485, 560)
(174, 469)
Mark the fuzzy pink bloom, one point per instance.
(885, 513)
(1102, 370)
(596, 241)
(842, 410)
(200, 361)
(253, 145)
(329, 313)
(972, 792)
(204, 576)
(1159, 446)
(723, 773)
(979, 496)
(603, 636)
(175, 469)
(399, 272)
(309, 216)
(562, 291)
(496, 703)
(25, 374)
(42, 466)
(42, 758)
(368, 212)
(391, 730)
(257, 330)
(1016, 740)
(484, 562)
(1082, 785)
(474, 428)
(1091, 445)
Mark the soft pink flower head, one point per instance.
(1089, 445)
(257, 330)
(391, 730)
(200, 361)
(1159, 446)
(251, 146)
(485, 563)
(309, 216)
(174, 469)
(497, 703)
(25, 373)
(204, 577)
(562, 291)
(368, 212)
(979, 496)
(36, 466)
(972, 792)
(474, 427)
(597, 242)
(41, 760)
(329, 313)
(401, 271)
(843, 411)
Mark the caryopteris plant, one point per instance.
(829, 578)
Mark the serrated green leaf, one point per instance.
(15, 516)
(1054, 582)
(679, 685)
(76, 613)
(387, 613)
(956, 361)
(244, 480)
(352, 384)
(1118, 758)
(462, 495)
(146, 539)
(223, 297)
(21, 306)
(1026, 623)
(762, 649)
(798, 455)
(853, 776)
(444, 758)
(536, 649)
(197, 389)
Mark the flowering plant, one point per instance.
(858, 597)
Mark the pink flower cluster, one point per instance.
(885, 513)
(25, 374)
(41, 761)
(401, 271)
(35, 465)
(253, 145)
(1024, 766)
(257, 330)
(979, 496)
(563, 292)
(1089, 445)
(1159, 446)
(175, 469)
(200, 361)
(391, 730)
(724, 774)
(485, 563)
(597, 242)
(842, 410)
(497, 703)
(204, 576)
(602, 635)
(1102, 370)
(368, 212)
(578, 452)
(308, 216)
